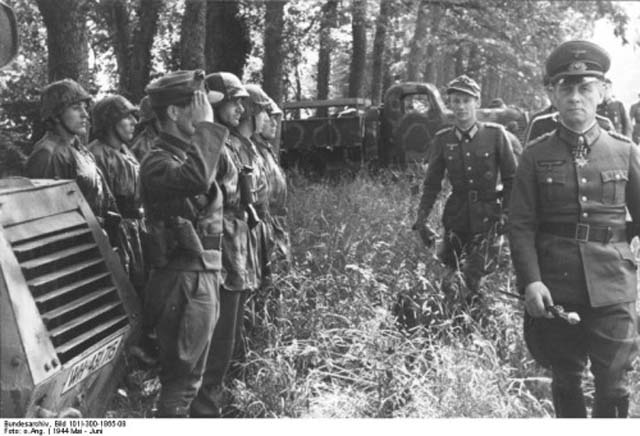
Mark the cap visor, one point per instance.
(215, 97)
(462, 90)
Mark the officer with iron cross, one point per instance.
(568, 239)
(476, 157)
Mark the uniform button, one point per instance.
(468, 154)
(486, 154)
(549, 180)
(469, 168)
(583, 180)
(470, 180)
(617, 176)
(584, 198)
(585, 215)
(450, 157)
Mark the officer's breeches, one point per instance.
(607, 337)
(185, 308)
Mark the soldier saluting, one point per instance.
(568, 239)
(474, 154)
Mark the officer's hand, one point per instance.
(536, 299)
(426, 233)
(201, 108)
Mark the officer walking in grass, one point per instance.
(183, 205)
(476, 156)
(568, 240)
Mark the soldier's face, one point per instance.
(230, 111)
(577, 102)
(270, 127)
(183, 118)
(463, 107)
(75, 118)
(125, 128)
(262, 119)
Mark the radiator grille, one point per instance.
(70, 282)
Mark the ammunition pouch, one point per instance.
(247, 184)
(112, 226)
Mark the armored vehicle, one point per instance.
(67, 309)
(349, 132)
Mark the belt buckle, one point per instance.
(582, 232)
(473, 196)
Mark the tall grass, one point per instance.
(336, 348)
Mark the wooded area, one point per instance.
(298, 49)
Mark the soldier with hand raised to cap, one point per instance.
(475, 156)
(183, 207)
(569, 241)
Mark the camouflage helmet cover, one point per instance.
(58, 95)
(228, 84)
(274, 109)
(108, 111)
(257, 100)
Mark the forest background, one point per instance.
(335, 349)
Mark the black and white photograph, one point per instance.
(318, 211)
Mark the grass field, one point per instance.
(336, 350)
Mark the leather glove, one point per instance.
(427, 234)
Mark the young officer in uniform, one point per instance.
(614, 110)
(475, 155)
(568, 240)
(183, 206)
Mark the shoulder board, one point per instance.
(444, 130)
(494, 125)
(619, 136)
(539, 139)
(604, 122)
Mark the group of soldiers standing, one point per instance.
(195, 206)
(570, 205)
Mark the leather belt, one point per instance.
(474, 195)
(212, 242)
(585, 232)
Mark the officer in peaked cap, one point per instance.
(183, 206)
(569, 241)
(634, 115)
(474, 155)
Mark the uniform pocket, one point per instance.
(626, 256)
(486, 160)
(552, 183)
(613, 186)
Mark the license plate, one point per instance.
(94, 361)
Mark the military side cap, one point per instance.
(577, 58)
(464, 84)
(178, 87)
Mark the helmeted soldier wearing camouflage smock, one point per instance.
(183, 207)
(146, 130)
(235, 177)
(634, 115)
(60, 154)
(569, 242)
(475, 155)
(113, 125)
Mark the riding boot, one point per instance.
(568, 402)
(611, 408)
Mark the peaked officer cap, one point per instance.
(577, 59)
(178, 87)
(464, 84)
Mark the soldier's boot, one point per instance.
(568, 402)
(208, 403)
(611, 408)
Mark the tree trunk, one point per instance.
(193, 32)
(273, 67)
(459, 60)
(132, 47)
(329, 16)
(431, 72)
(228, 43)
(379, 49)
(417, 42)
(359, 47)
(67, 41)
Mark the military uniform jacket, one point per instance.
(143, 142)
(52, 158)
(473, 167)
(175, 176)
(546, 123)
(614, 111)
(551, 188)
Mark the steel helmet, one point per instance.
(58, 95)
(226, 83)
(273, 108)
(108, 111)
(258, 100)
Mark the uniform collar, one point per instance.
(460, 134)
(173, 144)
(573, 138)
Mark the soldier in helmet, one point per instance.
(569, 243)
(183, 208)
(59, 154)
(236, 176)
(113, 125)
(475, 156)
(146, 130)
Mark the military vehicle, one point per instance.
(67, 309)
(349, 132)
